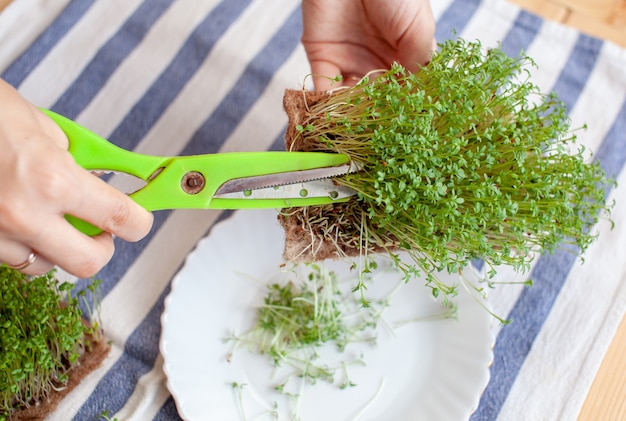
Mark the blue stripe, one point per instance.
(279, 142)
(240, 99)
(612, 152)
(124, 257)
(39, 49)
(250, 86)
(188, 60)
(168, 411)
(522, 33)
(123, 376)
(109, 57)
(577, 69)
(551, 271)
(214, 132)
(149, 108)
(455, 18)
(140, 352)
(515, 341)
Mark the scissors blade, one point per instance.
(326, 187)
(246, 184)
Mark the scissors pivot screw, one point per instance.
(193, 182)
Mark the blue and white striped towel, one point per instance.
(183, 77)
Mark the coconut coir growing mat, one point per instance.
(88, 362)
(316, 233)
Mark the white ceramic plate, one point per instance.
(426, 370)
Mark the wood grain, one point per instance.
(606, 400)
(545, 8)
(604, 19)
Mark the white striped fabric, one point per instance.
(182, 77)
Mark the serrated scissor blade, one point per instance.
(240, 185)
(316, 188)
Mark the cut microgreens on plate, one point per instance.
(299, 317)
(296, 318)
(465, 159)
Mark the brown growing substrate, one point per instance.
(316, 233)
(88, 362)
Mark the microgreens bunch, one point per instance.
(464, 159)
(295, 320)
(42, 336)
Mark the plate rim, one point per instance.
(176, 281)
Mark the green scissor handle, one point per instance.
(92, 152)
(169, 179)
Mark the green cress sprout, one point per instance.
(464, 159)
(42, 336)
(297, 319)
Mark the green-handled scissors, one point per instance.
(238, 180)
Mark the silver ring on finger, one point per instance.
(26, 263)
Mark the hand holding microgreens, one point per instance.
(465, 159)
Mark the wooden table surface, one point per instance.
(601, 18)
(604, 19)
